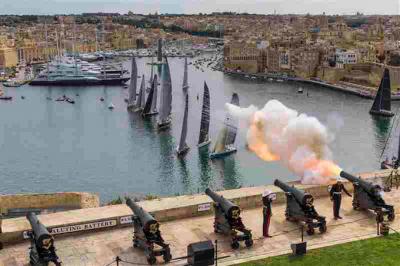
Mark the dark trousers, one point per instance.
(266, 220)
(337, 200)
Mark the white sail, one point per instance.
(227, 135)
(133, 84)
(155, 93)
(152, 72)
(220, 143)
(141, 100)
(166, 96)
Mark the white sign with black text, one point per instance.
(83, 227)
(204, 207)
(77, 228)
(126, 220)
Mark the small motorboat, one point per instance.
(6, 98)
(61, 99)
(102, 99)
(300, 90)
(69, 100)
(111, 106)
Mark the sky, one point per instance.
(42, 7)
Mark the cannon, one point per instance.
(228, 222)
(147, 234)
(300, 207)
(42, 250)
(368, 196)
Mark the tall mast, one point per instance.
(58, 47)
(47, 49)
(95, 37)
(73, 49)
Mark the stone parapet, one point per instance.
(164, 209)
(66, 200)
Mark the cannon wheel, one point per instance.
(322, 228)
(356, 205)
(287, 215)
(235, 245)
(310, 230)
(249, 242)
(151, 260)
(167, 256)
(391, 216)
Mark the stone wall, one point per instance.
(68, 200)
(164, 209)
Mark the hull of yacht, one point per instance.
(79, 82)
(204, 144)
(226, 152)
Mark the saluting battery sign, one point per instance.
(78, 227)
(83, 227)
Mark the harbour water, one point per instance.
(49, 146)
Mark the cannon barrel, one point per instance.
(299, 195)
(40, 232)
(225, 204)
(145, 218)
(367, 186)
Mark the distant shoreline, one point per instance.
(350, 90)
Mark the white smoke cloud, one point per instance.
(300, 141)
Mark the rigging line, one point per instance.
(111, 263)
(391, 128)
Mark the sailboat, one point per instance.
(185, 85)
(382, 102)
(132, 86)
(183, 148)
(151, 103)
(204, 138)
(166, 97)
(226, 137)
(141, 99)
(151, 75)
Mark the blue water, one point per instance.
(49, 146)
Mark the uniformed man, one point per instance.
(336, 197)
(267, 197)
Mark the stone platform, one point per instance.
(101, 247)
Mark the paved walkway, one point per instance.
(101, 248)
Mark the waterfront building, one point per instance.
(344, 57)
(8, 57)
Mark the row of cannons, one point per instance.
(147, 235)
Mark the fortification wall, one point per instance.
(67, 200)
(164, 209)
